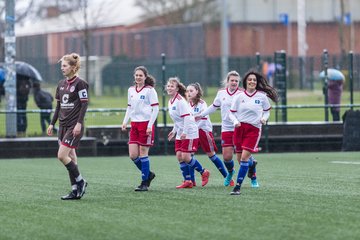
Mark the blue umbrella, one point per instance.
(333, 74)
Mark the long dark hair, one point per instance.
(149, 80)
(262, 84)
(197, 86)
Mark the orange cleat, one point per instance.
(232, 183)
(186, 184)
(205, 177)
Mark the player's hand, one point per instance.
(50, 130)
(123, 127)
(77, 130)
(183, 136)
(263, 121)
(148, 131)
(237, 125)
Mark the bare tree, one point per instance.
(23, 9)
(168, 12)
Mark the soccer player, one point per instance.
(249, 110)
(223, 101)
(185, 131)
(72, 102)
(206, 139)
(142, 109)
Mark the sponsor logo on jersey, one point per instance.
(196, 109)
(142, 97)
(173, 108)
(61, 88)
(257, 101)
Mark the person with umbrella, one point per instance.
(334, 90)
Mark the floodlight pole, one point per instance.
(9, 67)
(224, 39)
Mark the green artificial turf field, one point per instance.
(301, 196)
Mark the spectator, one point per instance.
(44, 101)
(22, 96)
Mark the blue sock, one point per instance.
(137, 162)
(196, 165)
(229, 165)
(145, 168)
(185, 170)
(219, 164)
(244, 166)
(192, 173)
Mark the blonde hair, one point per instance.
(73, 59)
(181, 87)
(231, 73)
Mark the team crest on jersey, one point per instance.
(72, 88)
(257, 101)
(142, 97)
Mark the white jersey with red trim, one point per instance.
(223, 101)
(204, 123)
(179, 110)
(140, 102)
(249, 108)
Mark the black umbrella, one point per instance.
(27, 70)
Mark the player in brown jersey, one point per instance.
(72, 102)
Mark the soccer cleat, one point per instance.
(194, 183)
(151, 177)
(236, 190)
(228, 179)
(205, 177)
(71, 196)
(186, 184)
(143, 187)
(252, 169)
(232, 183)
(254, 183)
(81, 187)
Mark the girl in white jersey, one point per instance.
(249, 111)
(223, 101)
(185, 131)
(143, 108)
(206, 139)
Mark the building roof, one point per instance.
(101, 13)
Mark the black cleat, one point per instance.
(71, 196)
(143, 187)
(236, 190)
(151, 177)
(81, 187)
(252, 169)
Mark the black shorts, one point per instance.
(66, 137)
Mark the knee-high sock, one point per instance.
(229, 165)
(74, 171)
(145, 168)
(196, 165)
(137, 162)
(244, 166)
(192, 173)
(185, 170)
(219, 164)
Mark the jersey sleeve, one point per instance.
(153, 97)
(83, 91)
(266, 103)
